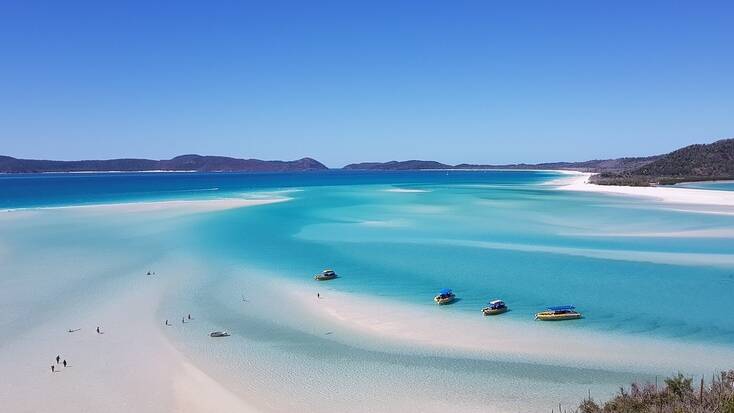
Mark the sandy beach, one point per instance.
(130, 366)
(414, 327)
(184, 206)
(688, 197)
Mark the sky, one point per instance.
(343, 81)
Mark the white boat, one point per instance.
(495, 307)
(219, 334)
(325, 275)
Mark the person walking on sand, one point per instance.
(64, 363)
(318, 295)
(98, 332)
(183, 320)
(53, 369)
(189, 316)
(166, 321)
(58, 358)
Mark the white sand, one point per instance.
(405, 190)
(440, 328)
(130, 368)
(177, 206)
(686, 196)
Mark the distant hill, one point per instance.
(702, 162)
(411, 165)
(180, 163)
(603, 165)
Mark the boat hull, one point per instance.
(490, 311)
(444, 301)
(557, 317)
(321, 277)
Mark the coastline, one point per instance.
(579, 181)
(410, 326)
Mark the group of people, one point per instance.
(58, 357)
(58, 361)
(183, 320)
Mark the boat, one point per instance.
(219, 334)
(445, 296)
(557, 313)
(495, 307)
(325, 275)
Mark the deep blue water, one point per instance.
(40, 190)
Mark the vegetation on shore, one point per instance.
(712, 162)
(678, 394)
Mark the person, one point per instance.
(98, 330)
(58, 358)
(318, 295)
(148, 273)
(183, 320)
(166, 321)
(64, 363)
(189, 316)
(53, 368)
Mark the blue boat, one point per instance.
(445, 296)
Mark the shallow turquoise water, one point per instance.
(719, 186)
(529, 246)
(485, 234)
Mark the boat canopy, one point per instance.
(445, 291)
(495, 302)
(562, 308)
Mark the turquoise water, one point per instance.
(719, 185)
(630, 266)
(485, 234)
(530, 246)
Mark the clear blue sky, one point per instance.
(343, 81)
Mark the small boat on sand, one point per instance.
(219, 334)
(445, 296)
(495, 307)
(325, 275)
(558, 313)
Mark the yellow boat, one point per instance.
(445, 296)
(495, 307)
(558, 313)
(325, 275)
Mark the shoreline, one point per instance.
(131, 366)
(408, 326)
(579, 182)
